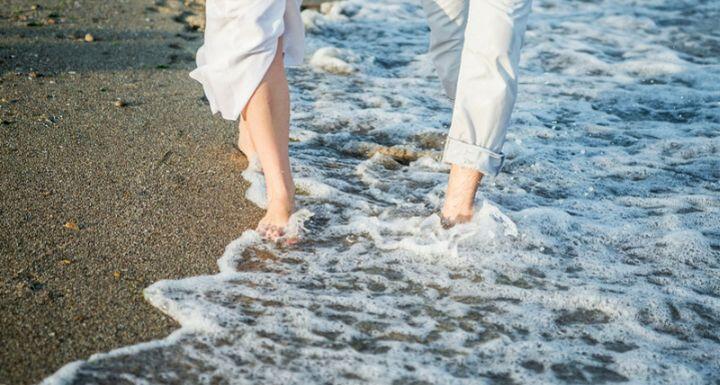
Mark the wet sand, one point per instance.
(114, 176)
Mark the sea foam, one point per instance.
(593, 258)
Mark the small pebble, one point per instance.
(120, 103)
(89, 38)
(50, 21)
(71, 225)
(34, 74)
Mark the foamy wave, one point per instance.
(593, 258)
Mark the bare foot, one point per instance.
(273, 226)
(447, 223)
(460, 195)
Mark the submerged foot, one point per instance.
(460, 196)
(292, 233)
(274, 225)
(448, 221)
(458, 207)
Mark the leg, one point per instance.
(244, 142)
(246, 145)
(460, 195)
(485, 96)
(447, 20)
(267, 115)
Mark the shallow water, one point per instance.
(594, 257)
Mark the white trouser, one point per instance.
(475, 45)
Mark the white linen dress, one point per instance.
(241, 38)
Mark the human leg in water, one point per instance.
(476, 49)
(266, 119)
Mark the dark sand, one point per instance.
(154, 186)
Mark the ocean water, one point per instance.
(593, 258)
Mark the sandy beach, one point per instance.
(114, 176)
(591, 258)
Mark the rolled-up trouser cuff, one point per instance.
(472, 156)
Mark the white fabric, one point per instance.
(241, 37)
(475, 45)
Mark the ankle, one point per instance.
(460, 197)
(454, 211)
(282, 201)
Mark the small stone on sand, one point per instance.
(89, 38)
(71, 225)
(120, 103)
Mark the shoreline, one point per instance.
(115, 176)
